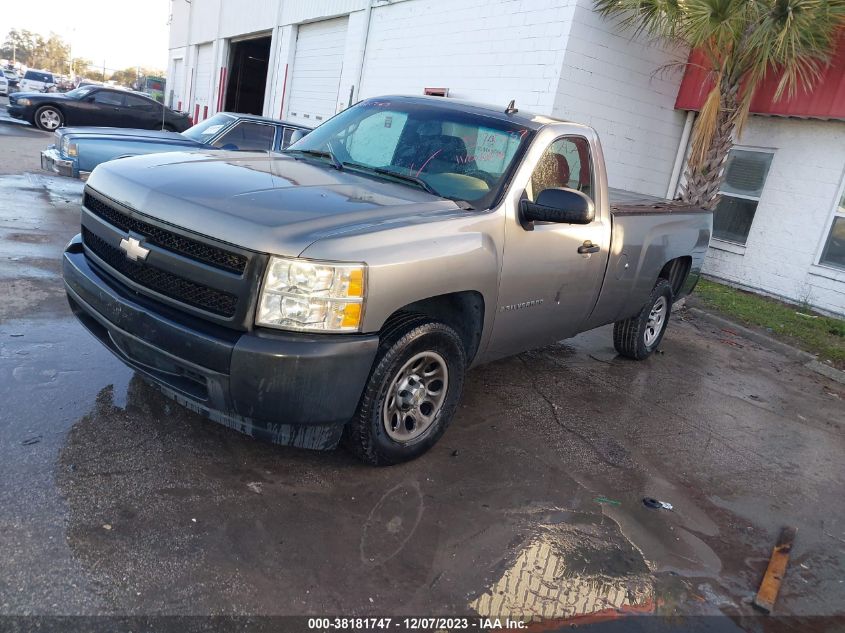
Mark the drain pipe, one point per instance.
(368, 15)
(680, 156)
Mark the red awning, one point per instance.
(826, 101)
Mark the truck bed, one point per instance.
(648, 232)
(630, 203)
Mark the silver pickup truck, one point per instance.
(339, 291)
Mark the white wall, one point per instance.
(178, 20)
(612, 81)
(485, 50)
(790, 225)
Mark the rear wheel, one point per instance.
(49, 118)
(638, 336)
(412, 392)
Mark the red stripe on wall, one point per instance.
(284, 89)
(197, 114)
(204, 113)
(178, 105)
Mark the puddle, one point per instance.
(570, 570)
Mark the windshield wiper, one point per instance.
(320, 154)
(419, 182)
(416, 180)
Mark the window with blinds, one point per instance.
(745, 177)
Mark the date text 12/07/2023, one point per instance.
(414, 624)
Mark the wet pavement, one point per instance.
(115, 500)
(21, 143)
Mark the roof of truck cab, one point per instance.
(528, 119)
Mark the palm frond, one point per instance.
(660, 19)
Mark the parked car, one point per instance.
(96, 105)
(78, 150)
(341, 289)
(11, 76)
(36, 81)
(4, 85)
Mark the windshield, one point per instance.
(454, 154)
(79, 92)
(206, 130)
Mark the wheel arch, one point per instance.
(676, 271)
(463, 311)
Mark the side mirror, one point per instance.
(559, 205)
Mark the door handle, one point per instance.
(588, 247)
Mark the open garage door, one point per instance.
(203, 81)
(317, 64)
(247, 75)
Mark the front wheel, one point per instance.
(412, 392)
(49, 118)
(638, 336)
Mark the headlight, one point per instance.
(298, 294)
(68, 148)
(24, 101)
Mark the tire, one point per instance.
(48, 118)
(638, 336)
(414, 354)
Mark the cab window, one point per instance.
(248, 136)
(565, 163)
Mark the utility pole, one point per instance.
(104, 71)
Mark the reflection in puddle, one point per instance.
(551, 579)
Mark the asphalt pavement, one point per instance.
(114, 500)
(20, 143)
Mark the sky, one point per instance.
(123, 33)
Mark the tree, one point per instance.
(742, 42)
(50, 54)
(19, 45)
(125, 77)
(81, 66)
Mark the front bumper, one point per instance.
(289, 388)
(17, 112)
(52, 161)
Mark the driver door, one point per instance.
(550, 282)
(103, 108)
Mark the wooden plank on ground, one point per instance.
(772, 579)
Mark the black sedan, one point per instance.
(95, 105)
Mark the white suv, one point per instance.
(36, 81)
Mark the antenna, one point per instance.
(511, 109)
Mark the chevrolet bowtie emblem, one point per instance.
(133, 249)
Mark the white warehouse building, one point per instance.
(306, 60)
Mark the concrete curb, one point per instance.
(805, 358)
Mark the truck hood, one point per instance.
(266, 202)
(125, 133)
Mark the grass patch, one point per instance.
(812, 332)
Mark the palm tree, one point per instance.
(741, 42)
